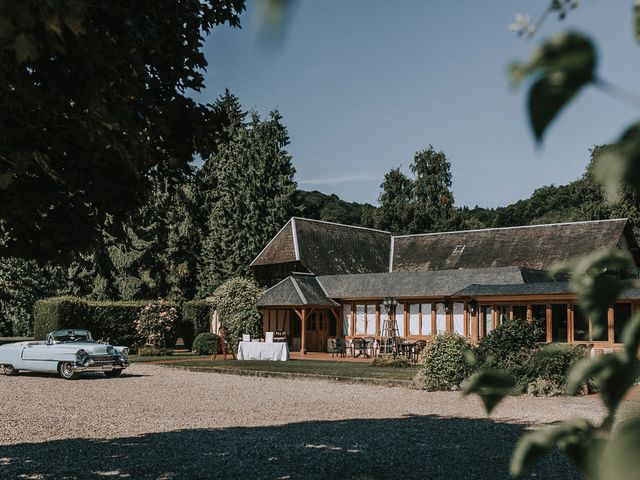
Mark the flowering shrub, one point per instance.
(156, 323)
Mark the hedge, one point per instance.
(110, 321)
(196, 319)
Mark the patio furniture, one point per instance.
(417, 350)
(338, 347)
(359, 347)
(278, 351)
(372, 346)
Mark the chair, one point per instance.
(417, 350)
(268, 337)
(360, 346)
(371, 346)
(338, 347)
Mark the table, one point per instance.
(263, 351)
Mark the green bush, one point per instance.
(545, 371)
(443, 365)
(235, 302)
(59, 312)
(206, 343)
(390, 361)
(153, 351)
(196, 318)
(509, 345)
(108, 321)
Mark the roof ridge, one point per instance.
(340, 224)
(512, 228)
(297, 287)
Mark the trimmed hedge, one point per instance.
(443, 363)
(196, 319)
(110, 321)
(206, 344)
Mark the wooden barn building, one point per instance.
(327, 280)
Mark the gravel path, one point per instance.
(159, 422)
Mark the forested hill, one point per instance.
(579, 200)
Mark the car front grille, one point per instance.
(104, 359)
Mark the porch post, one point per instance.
(303, 340)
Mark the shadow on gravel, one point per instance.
(411, 447)
(84, 376)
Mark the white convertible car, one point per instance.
(68, 352)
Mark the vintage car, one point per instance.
(68, 352)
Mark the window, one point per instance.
(559, 332)
(539, 316)
(580, 325)
(346, 319)
(371, 319)
(441, 319)
(425, 318)
(414, 319)
(360, 320)
(400, 319)
(458, 318)
(621, 317)
(520, 311)
(503, 313)
(487, 318)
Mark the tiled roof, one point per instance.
(296, 290)
(536, 246)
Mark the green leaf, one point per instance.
(491, 385)
(636, 21)
(574, 437)
(596, 287)
(560, 67)
(26, 47)
(621, 457)
(618, 165)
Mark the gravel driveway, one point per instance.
(160, 422)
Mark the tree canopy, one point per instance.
(95, 99)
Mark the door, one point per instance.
(316, 334)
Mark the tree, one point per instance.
(433, 209)
(251, 200)
(396, 211)
(96, 101)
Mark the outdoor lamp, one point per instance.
(389, 304)
(473, 307)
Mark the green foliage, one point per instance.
(235, 302)
(206, 343)
(330, 208)
(196, 319)
(443, 362)
(113, 109)
(505, 346)
(390, 361)
(59, 312)
(560, 68)
(544, 372)
(249, 196)
(154, 351)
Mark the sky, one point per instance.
(363, 85)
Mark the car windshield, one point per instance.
(63, 336)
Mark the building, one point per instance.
(327, 280)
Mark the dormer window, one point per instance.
(458, 250)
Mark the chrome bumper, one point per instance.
(100, 368)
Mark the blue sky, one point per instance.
(362, 85)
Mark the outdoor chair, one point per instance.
(338, 347)
(359, 347)
(372, 346)
(417, 350)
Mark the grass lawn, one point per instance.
(308, 367)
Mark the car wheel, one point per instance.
(65, 371)
(113, 373)
(9, 370)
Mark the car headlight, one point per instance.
(81, 354)
(125, 352)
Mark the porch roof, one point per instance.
(294, 291)
(438, 283)
(546, 288)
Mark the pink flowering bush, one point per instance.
(157, 323)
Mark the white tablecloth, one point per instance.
(263, 351)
